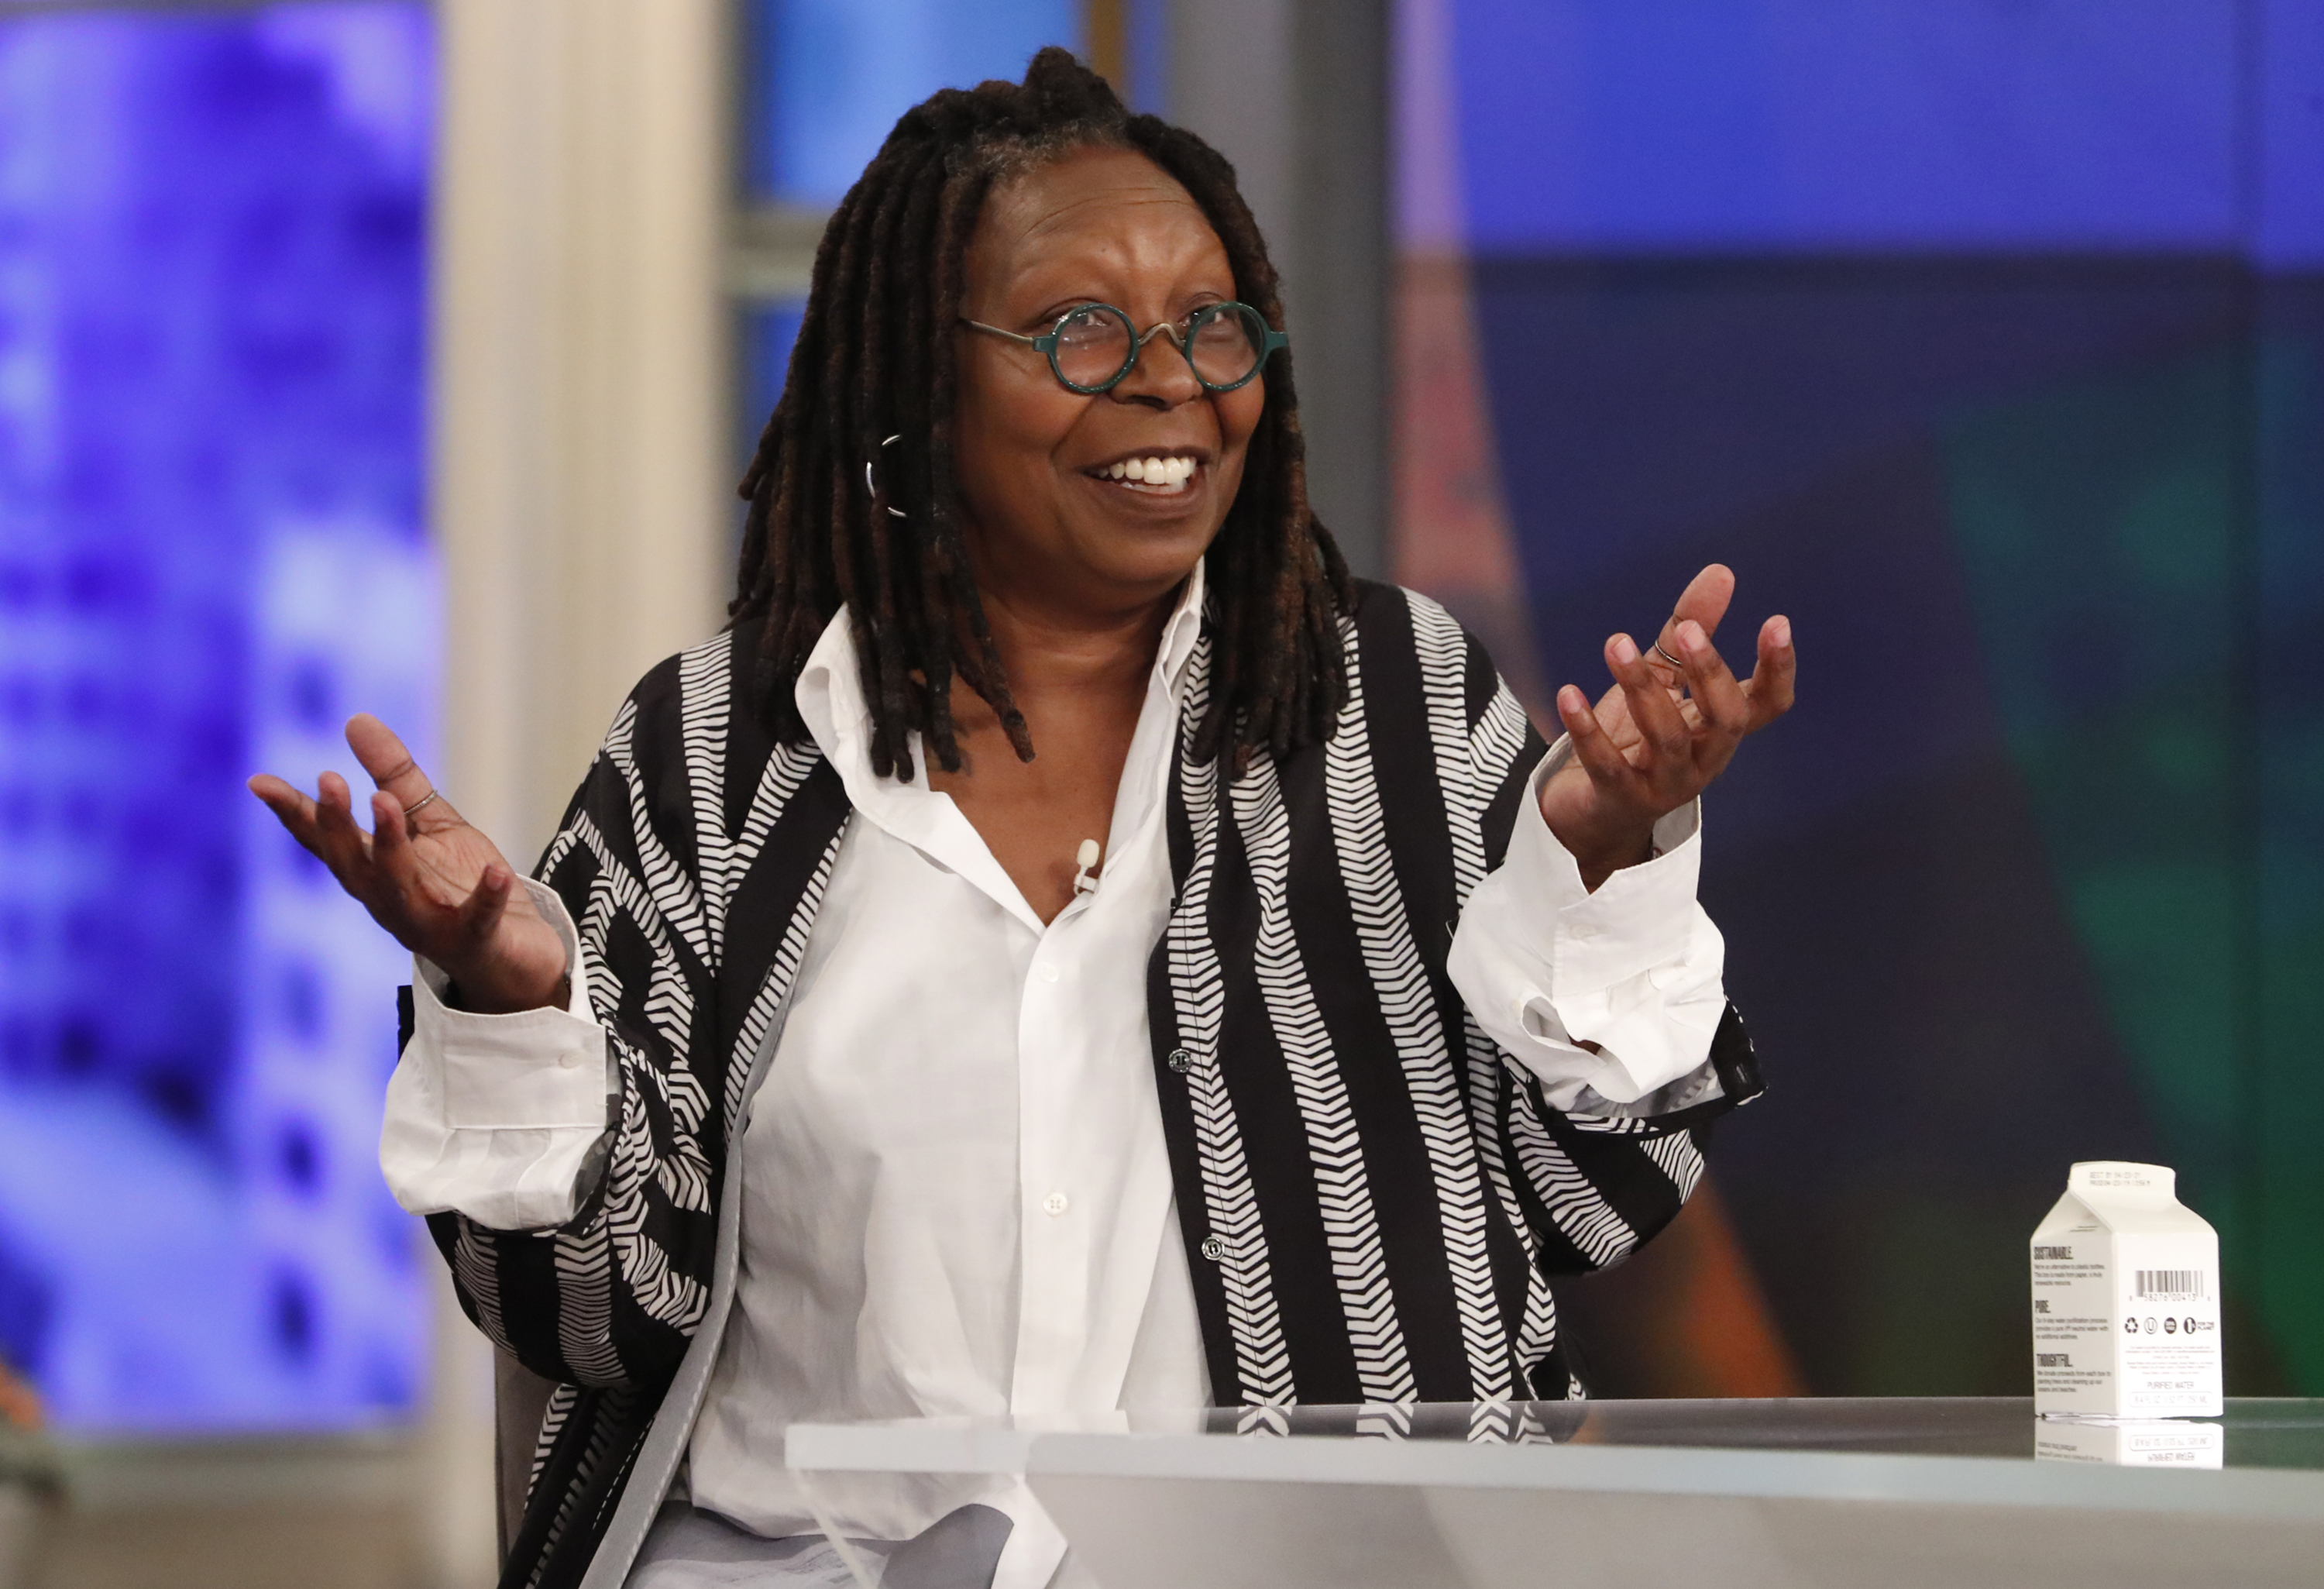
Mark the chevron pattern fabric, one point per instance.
(1374, 1198)
(1342, 1134)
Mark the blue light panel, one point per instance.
(1870, 125)
(828, 77)
(212, 237)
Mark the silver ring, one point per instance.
(1667, 657)
(422, 803)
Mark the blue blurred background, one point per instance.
(213, 232)
(1988, 342)
(1985, 339)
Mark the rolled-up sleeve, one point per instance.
(1610, 998)
(498, 1116)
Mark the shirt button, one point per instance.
(1053, 1204)
(569, 1059)
(1181, 1060)
(1214, 1249)
(1044, 970)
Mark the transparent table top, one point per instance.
(2258, 1433)
(2282, 1437)
(1759, 1494)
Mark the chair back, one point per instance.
(519, 1402)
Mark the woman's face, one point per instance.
(1048, 527)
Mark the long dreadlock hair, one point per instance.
(874, 359)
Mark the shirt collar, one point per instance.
(1180, 634)
(832, 703)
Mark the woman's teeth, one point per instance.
(1156, 474)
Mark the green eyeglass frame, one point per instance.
(1047, 343)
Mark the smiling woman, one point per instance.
(1247, 1007)
(1123, 202)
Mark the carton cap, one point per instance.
(2115, 1181)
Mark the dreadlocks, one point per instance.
(874, 360)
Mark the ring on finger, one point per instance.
(422, 803)
(1667, 657)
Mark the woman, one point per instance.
(1272, 1034)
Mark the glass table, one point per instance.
(1776, 1494)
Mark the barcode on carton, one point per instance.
(2179, 1283)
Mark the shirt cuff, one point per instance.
(1607, 997)
(1641, 915)
(494, 1115)
(527, 1070)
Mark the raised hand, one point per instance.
(440, 886)
(1656, 739)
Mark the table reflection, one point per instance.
(2187, 1442)
(2252, 1433)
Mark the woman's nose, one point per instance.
(1162, 375)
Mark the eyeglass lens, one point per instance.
(1094, 346)
(1226, 345)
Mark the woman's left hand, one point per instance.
(1662, 733)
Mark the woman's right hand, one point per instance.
(440, 886)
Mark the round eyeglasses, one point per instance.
(1092, 348)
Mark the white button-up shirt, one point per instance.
(956, 1197)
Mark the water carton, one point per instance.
(2125, 1299)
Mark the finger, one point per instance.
(393, 770)
(1665, 660)
(1669, 745)
(344, 847)
(291, 808)
(1726, 710)
(480, 916)
(1771, 685)
(1599, 757)
(391, 844)
(394, 889)
(1704, 600)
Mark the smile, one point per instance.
(1158, 474)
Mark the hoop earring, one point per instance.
(872, 485)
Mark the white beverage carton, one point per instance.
(2131, 1442)
(2125, 1299)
